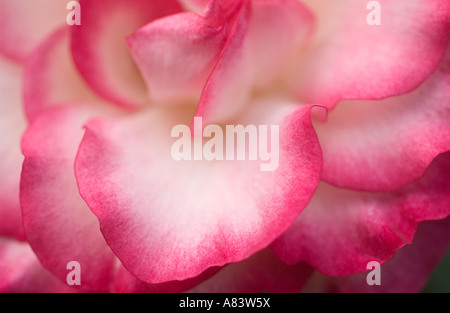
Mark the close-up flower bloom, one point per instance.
(227, 146)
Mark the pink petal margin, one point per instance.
(176, 54)
(21, 272)
(58, 224)
(49, 192)
(342, 230)
(12, 125)
(261, 272)
(100, 51)
(384, 145)
(264, 38)
(169, 220)
(350, 59)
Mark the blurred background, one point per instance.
(440, 279)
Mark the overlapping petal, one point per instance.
(408, 271)
(127, 283)
(51, 77)
(176, 54)
(262, 42)
(170, 220)
(351, 59)
(278, 30)
(261, 272)
(20, 271)
(228, 88)
(384, 145)
(174, 224)
(23, 24)
(12, 125)
(49, 193)
(58, 224)
(342, 230)
(100, 50)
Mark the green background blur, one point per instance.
(440, 279)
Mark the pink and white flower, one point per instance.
(364, 118)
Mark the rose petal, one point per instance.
(100, 50)
(278, 29)
(12, 124)
(411, 266)
(408, 271)
(176, 54)
(58, 224)
(352, 60)
(229, 86)
(20, 271)
(261, 272)
(49, 192)
(199, 6)
(169, 220)
(127, 283)
(383, 145)
(264, 39)
(343, 230)
(51, 77)
(23, 24)
(196, 6)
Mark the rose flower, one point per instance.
(360, 113)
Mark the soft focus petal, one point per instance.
(261, 272)
(23, 24)
(127, 283)
(195, 5)
(383, 145)
(278, 28)
(58, 224)
(49, 193)
(199, 6)
(51, 76)
(170, 220)
(229, 86)
(408, 271)
(352, 60)
(12, 124)
(343, 230)
(176, 54)
(21, 272)
(100, 50)
(266, 36)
